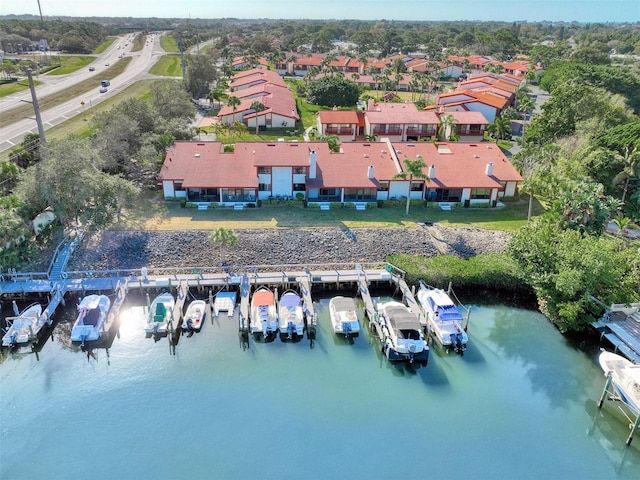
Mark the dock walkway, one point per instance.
(620, 325)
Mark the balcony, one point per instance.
(386, 130)
(339, 131)
(475, 132)
(421, 132)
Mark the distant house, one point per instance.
(267, 88)
(243, 63)
(346, 124)
(202, 172)
(399, 122)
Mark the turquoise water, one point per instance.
(521, 403)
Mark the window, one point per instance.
(299, 187)
(262, 170)
(384, 187)
(264, 187)
(416, 186)
(481, 193)
(299, 170)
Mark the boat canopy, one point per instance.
(401, 319)
(290, 300)
(444, 312)
(263, 297)
(343, 304)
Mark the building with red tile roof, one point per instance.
(399, 122)
(202, 172)
(346, 124)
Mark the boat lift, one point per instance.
(609, 393)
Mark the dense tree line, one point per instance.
(68, 36)
(582, 160)
(91, 180)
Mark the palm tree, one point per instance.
(500, 128)
(223, 238)
(525, 105)
(631, 168)
(233, 102)
(258, 107)
(447, 126)
(413, 169)
(200, 130)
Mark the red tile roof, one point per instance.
(399, 113)
(338, 116)
(464, 166)
(350, 167)
(468, 118)
(205, 165)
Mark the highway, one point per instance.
(138, 69)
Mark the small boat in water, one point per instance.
(291, 317)
(625, 378)
(264, 317)
(160, 314)
(91, 322)
(402, 337)
(24, 327)
(443, 317)
(224, 302)
(194, 316)
(344, 316)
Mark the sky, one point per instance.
(499, 10)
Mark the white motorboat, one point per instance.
(291, 316)
(402, 337)
(91, 322)
(160, 314)
(224, 302)
(264, 317)
(344, 316)
(24, 327)
(194, 316)
(443, 317)
(625, 378)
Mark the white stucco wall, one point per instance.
(167, 189)
(281, 181)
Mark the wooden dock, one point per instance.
(620, 325)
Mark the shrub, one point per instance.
(335, 205)
(211, 206)
(191, 205)
(371, 205)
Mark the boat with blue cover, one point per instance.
(344, 316)
(91, 322)
(443, 318)
(291, 317)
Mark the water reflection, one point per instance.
(513, 335)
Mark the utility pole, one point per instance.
(36, 109)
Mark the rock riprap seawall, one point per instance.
(192, 248)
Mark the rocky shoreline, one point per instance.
(112, 250)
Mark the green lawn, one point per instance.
(71, 63)
(168, 43)
(104, 45)
(15, 87)
(167, 66)
(153, 213)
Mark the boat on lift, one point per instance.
(401, 333)
(623, 377)
(24, 327)
(291, 317)
(160, 314)
(194, 316)
(344, 316)
(91, 322)
(264, 316)
(443, 318)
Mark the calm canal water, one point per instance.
(521, 403)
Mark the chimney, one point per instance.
(432, 171)
(370, 104)
(489, 169)
(312, 164)
(370, 175)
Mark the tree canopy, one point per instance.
(333, 90)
